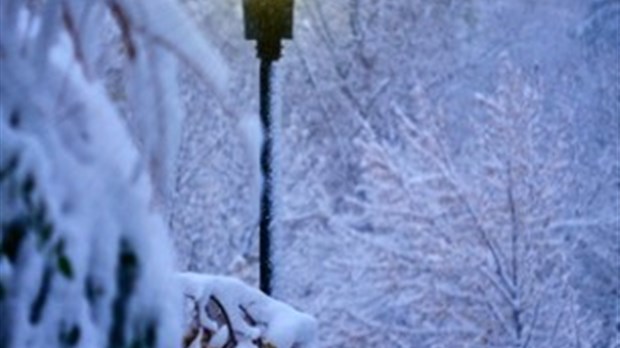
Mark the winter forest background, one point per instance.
(450, 170)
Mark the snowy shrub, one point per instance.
(226, 313)
(84, 257)
(82, 260)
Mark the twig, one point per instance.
(124, 25)
(259, 341)
(232, 339)
(191, 335)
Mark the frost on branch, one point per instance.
(224, 312)
(156, 35)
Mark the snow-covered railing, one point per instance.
(225, 312)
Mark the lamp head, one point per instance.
(268, 22)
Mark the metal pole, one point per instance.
(266, 161)
(268, 22)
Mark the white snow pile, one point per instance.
(224, 312)
(85, 260)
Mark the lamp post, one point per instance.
(268, 22)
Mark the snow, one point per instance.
(251, 314)
(252, 137)
(85, 155)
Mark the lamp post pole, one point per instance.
(268, 22)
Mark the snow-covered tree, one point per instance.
(512, 199)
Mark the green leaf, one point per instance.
(72, 337)
(64, 265)
(9, 168)
(13, 235)
(29, 185)
(150, 338)
(46, 231)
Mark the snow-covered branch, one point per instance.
(224, 312)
